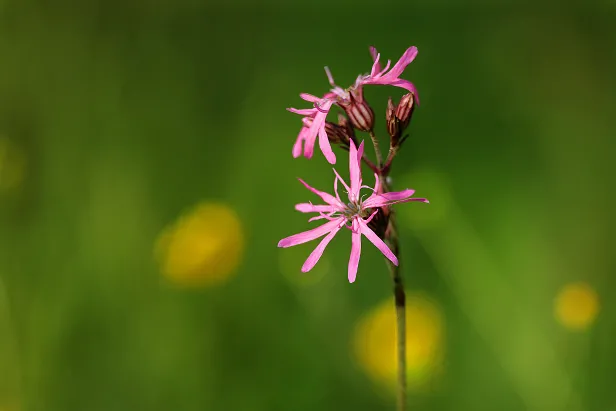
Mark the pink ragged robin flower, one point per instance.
(354, 215)
(351, 100)
(313, 126)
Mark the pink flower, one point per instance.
(310, 129)
(354, 215)
(391, 77)
(350, 99)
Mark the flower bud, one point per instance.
(349, 132)
(336, 134)
(339, 133)
(393, 127)
(359, 112)
(380, 222)
(405, 109)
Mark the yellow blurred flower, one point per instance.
(204, 247)
(576, 306)
(375, 342)
(12, 164)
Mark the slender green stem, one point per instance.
(400, 304)
(370, 164)
(390, 157)
(401, 323)
(377, 150)
(391, 238)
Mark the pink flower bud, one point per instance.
(405, 109)
(393, 127)
(336, 133)
(359, 112)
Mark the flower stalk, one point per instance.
(377, 150)
(391, 239)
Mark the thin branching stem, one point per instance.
(370, 164)
(391, 238)
(377, 150)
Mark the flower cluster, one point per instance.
(357, 214)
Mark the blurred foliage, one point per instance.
(122, 121)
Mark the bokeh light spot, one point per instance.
(204, 247)
(375, 342)
(12, 164)
(576, 306)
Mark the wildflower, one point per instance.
(391, 77)
(313, 125)
(354, 215)
(351, 100)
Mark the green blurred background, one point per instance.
(119, 118)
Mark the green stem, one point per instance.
(391, 238)
(400, 304)
(390, 157)
(377, 150)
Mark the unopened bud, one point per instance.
(360, 113)
(405, 109)
(393, 127)
(339, 133)
(348, 128)
(380, 222)
(336, 134)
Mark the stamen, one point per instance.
(330, 77)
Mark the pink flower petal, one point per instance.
(355, 169)
(379, 74)
(372, 216)
(377, 183)
(330, 77)
(326, 148)
(311, 208)
(311, 234)
(388, 81)
(314, 257)
(328, 198)
(301, 137)
(407, 85)
(343, 183)
(309, 97)
(303, 111)
(309, 146)
(380, 200)
(387, 199)
(321, 217)
(336, 188)
(376, 67)
(406, 59)
(360, 155)
(374, 239)
(355, 254)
